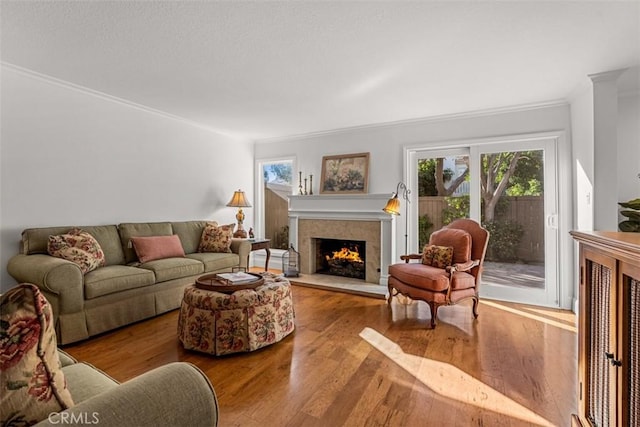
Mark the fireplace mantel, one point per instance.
(341, 208)
(359, 206)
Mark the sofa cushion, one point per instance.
(109, 239)
(35, 240)
(79, 247)
(157, 247)
(458, 239)
(437, 256)
(115, 278)
(216, 238)
(173, 268)
(216, 261)
(190, 233)
(132, 229)
(33, 384)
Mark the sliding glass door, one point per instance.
(518, 205)
(509, 187)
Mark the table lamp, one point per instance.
(239, 201)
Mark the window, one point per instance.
(275, 185)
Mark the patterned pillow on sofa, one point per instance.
(79, 247)
(33, 386)
(216, 238)
(437, 256)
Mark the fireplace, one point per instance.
(357, 218)
(346, 258)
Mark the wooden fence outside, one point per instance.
(528, 211)
(276, 219)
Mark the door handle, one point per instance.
(614, 362)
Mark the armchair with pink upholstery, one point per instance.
(446, 279)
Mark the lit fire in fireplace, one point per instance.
(345, 254)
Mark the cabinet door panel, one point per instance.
(599, 346)
(629, 344)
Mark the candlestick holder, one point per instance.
(300, 184)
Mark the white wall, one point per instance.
(385, 144)
(626, 118)
(70, 157)
(628, 146)
(626, 163)
(583, 140)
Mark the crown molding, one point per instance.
(606, 75)
(104, 96)
(421, 120)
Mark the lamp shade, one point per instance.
(393, 206)
(239, 200)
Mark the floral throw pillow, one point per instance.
(216, 238)
(437, 256)
(33, 385)
(79, 247)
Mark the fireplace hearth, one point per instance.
(346, 258)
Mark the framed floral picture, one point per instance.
(345, 174)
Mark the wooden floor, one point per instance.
(353, 361)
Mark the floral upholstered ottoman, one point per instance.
(246, 320)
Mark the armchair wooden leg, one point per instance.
(390, 297)
(475, 307)
(434, 313)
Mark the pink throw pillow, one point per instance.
(157, 247)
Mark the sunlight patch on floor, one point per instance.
(522, 313)
(451, 382)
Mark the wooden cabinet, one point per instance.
(608, 329)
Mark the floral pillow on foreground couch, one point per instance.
(33, 385)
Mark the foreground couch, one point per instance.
(125, 290)
(143, 401)
(44, 386)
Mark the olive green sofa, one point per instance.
(143, 401)
(124, 290)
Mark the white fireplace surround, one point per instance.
(359, 207)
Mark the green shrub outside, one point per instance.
(504, 240)
(505, 236)
(424, 230)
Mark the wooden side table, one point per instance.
(258, 244)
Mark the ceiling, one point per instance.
(268, 69)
